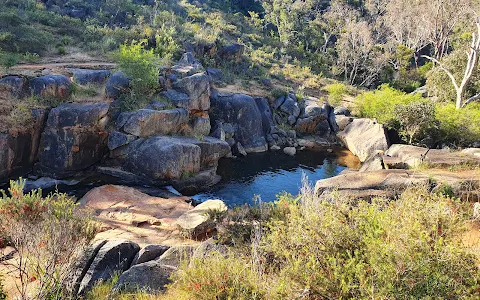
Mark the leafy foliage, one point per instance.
(46, 233)
(380, 104)
(142, 67)
(458, 127)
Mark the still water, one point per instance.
(267, 174)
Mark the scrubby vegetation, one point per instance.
(46, 233)
(337, 248)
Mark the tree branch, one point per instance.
(454, 81)
(471, 99)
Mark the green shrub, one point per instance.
(459, 127)
(61, 50)
(380, 104)
(8, 60)
(142, 67)
(416, 119)
(46, 232)
(406, 249)
(336, 91)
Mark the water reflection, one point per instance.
(267, 174)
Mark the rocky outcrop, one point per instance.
(114, 256)
(239, 115)
(117, 84)
(13, 86)
(51, 86)
(19, 147)
(127, 213)
(74, 139)
(233, 52)
(89, 76)
(364, 138)
(149, 253)
(150, 277)
(175, 255)
(391, 183)
(407, 156)
(149, 122)
(197, 222)
(197, 89)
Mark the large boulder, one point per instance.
(164, 158)
(232, 52)
(148, 122)
(74, 139)
(364, 138)
(148, 277)
(13, 86)
(88, 76)
(117, 84)
(19, 147)
(197, 222)
(197, 88)
(241, 111)
(55, 86)
(114, 256)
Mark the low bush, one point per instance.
(336, 248)
(46, 232)
(417, 120)
(336, 91)
(458, 127)
(380, 104)
(142, 66)
(3, 296)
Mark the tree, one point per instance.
(472, 62)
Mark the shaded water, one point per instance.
(268, 174)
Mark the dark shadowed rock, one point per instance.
(148, 122)
(87, 76)
(117, 84)
(19, 147)
(215, 75)
(233, 52)
(149, 277)
(114, 256)
(148, 253)
(238, 149)
(81, 265)
(266, 112)
(56, 86)
(290, 106)
(118, 139)
(340, 110)
(74, 138)
(13, 86)
(242, 113)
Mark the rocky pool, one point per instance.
(267, 174)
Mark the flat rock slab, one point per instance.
(389, 183)
(407, 156)
(126, 213)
